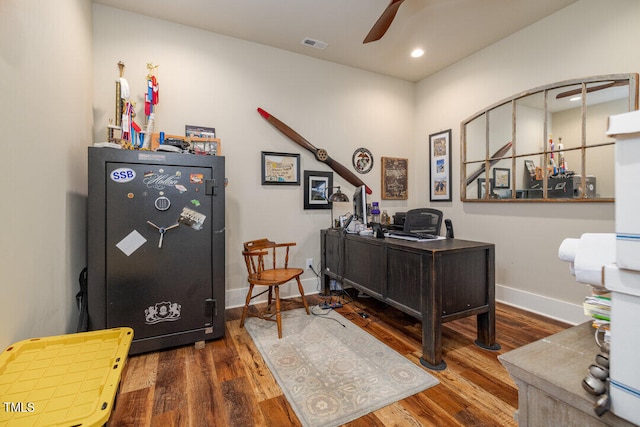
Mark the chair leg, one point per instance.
(246, 305)
(278, 316)
(304, 299)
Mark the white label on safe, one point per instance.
(123, 175)
(131, 243)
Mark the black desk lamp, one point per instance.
(338, 196)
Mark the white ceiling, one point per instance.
(447, 30)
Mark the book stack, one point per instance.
(598, 307)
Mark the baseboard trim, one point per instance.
(539, 304)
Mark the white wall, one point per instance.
(590, 37)
(45, 118)
(211, 80)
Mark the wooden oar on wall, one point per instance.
(320, 153)
(497, 156)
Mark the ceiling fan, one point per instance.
(384, 22)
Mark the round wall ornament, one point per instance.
(362, 160)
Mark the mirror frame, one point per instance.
(485, 165)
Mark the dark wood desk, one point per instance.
(435, 281)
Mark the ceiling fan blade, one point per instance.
(575, 92)
(321, 154)
(384, 22)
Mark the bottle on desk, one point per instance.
(384, 218)
(375, 213)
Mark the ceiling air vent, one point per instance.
(316, 44)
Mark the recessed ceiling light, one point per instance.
(417, 53)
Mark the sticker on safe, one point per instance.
(122, 175)
(165, 311)
(131, 243)
(191, 218)
(160, 181)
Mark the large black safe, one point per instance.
(156, 246)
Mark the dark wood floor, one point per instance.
(228, 384)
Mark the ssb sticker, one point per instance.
(122, 175)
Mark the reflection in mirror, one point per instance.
(600, 163)
(529, 182)
(556, 151)
(602, 103)
(500, 127)
(476, 138)
(564, 108)
(472, 188)
(529, 115)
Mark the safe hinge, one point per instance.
(210, 307)
(210, 187)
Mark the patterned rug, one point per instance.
(330, 370)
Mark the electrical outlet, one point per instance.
(309, 263)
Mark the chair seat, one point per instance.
(276, 276)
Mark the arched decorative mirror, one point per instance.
(548, 144)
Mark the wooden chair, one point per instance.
(254, 253)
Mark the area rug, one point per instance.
(330, 370)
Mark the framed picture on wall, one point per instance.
(395, 184)
(317, 186)
(440, 166)
(501, 178)
(200, 131)
(280, 168)
(531, 167)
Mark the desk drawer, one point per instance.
(363, 265)
(463, 276)
(404, 274)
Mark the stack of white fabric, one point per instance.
(588, 255)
